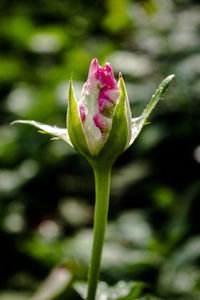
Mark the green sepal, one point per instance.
(138, 123)
(158, 95)
(117, 139)
(74, 126)
(58, 133)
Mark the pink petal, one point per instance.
(94, 66)
(101, 121)
(82, 112)
(102, 88)
(105, 76)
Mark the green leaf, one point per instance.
(148, 297)
(59, 133)
(188, 254)
(182, 265)
(136, 291)
(74, 126)
(138, 123)
(13, 295)
(118, 261)
(121, 291)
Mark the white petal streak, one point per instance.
(60, 133)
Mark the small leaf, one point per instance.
(138, 123)
(60, 133)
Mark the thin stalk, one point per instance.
(102, 191)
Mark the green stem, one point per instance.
(102, 191)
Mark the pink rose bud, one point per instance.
(97, 105)
(100, 125)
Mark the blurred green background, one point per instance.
(47, 189)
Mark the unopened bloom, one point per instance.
(97, 105)
(102, 128)
(99, 124)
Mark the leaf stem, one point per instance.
(102, 191)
